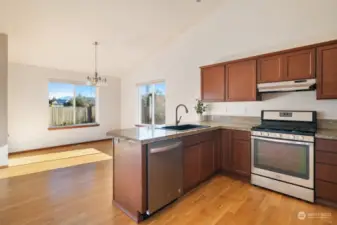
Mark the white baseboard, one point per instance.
(4, 155)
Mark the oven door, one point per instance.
(284, 160)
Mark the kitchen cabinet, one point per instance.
(241, 81)
(199, 158)
(325, 175)
(270, 69)
(207, 158)
(327, 72)
(293, 65)
(213, 83)
(236, 152)
(191, 166)
(241, 157)
(129, 176)
(217, 149)
(299, 65)
(226, 163)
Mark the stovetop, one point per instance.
(281, 128)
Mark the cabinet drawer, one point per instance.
(241, 135)
(197, 138)
(326, 172)
(326, 145)
(326, 157)
(326, 191)
(191, 140)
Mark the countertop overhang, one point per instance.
(151, 134)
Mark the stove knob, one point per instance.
(291, 137)
(300, 138)
(277, 135)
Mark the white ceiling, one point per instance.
(59, 33)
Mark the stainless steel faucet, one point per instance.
(178, 120)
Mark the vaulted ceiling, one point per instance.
(59, 33)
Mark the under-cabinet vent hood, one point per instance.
(297, 85)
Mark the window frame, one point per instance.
(152, 83)
(73, 126)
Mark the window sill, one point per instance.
(74, 126)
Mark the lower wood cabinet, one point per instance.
(236, 152)
(200, 162)
(191, 166)
(206, 153)
(226, 162)
(326, 167)
(207, 159)
(241, 157)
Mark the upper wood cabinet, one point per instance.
(213, 83)
(286, 67)
(241, 81)
(270, 69)
(237, 80)
(299, 65)
(327, 72)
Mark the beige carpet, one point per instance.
(51, 161)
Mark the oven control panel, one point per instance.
(294, 137)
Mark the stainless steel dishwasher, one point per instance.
(164, 173)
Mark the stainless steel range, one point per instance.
(283, 152)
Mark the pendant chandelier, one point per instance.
(96, 80)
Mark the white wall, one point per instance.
(3, 100)
(238, 29)
(28, 115)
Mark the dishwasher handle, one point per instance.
(166, 148)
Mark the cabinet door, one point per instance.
(217, 151)
(226, 163)
(213, 83)
(241, 157)
(241, 81)
(299, 65)
(207, 160)
(191, 167)
(327, 72)
(270, 69)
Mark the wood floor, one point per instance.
(82, 195)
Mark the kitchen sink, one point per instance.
(184, 127)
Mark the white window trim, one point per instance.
(77, 83)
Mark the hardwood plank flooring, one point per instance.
(82, 195)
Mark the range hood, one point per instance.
(297, 85)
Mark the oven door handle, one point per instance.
(283, 141)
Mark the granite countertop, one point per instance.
(153, 133)
(327, 134)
